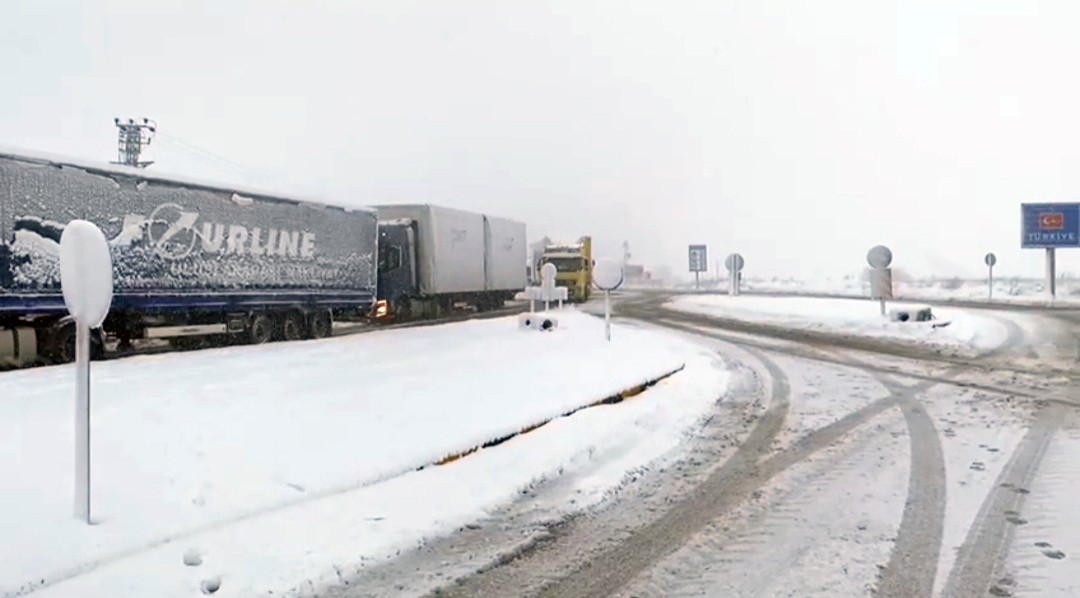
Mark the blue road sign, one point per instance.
(699, 258)
(1050, 225)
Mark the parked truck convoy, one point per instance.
(195, 261)
(573, 267)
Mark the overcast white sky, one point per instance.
(798, 133)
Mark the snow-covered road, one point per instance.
(824, 472)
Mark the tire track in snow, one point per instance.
(912, 567)
(652, 308)
(1041, 559)
(728, 487)
(1014, 339)
(981, 555)
(815, 353)
(788, 537)
(913, 564)
(604, 572)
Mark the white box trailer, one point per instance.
(506, 254)
(449, 247)
(460, 257)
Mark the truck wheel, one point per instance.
(322, 324)
(401, 310)
(262, 328)
(97, 344)
(62, 344)
(292, 327)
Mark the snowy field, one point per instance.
(966, 330)
(286, 467)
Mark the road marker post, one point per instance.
(608, 275)
(734, 264)
(86, 280)
(879, 258)
(990, 261)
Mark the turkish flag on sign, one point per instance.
(1052, 221)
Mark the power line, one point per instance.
(252, 176)
(194, 149)
(209, 159)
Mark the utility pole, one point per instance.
(131, 137)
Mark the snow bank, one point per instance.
(850, 316)
(1006, 289)
(272, 464)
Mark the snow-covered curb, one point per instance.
(614, 399)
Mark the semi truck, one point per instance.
(196, 262)
(573, 267)
(433, 260)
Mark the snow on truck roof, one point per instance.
(428, 206)
(128, 172)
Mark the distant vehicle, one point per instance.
(573, 266)
(195, 261)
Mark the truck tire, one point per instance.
(401, 310)
(97, 344)
(261, 330)
(322, 324)
(292, 327)
(60, 346)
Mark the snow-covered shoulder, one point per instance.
(952, 327)
(262, 469)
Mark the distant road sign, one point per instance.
(879, 256)
(699, 258)
(734, 262)
(1050, 225)
(990, 259)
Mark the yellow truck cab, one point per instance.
(573, 267)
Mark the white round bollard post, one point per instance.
(607, 276)
(86, 279)
(547, 282)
